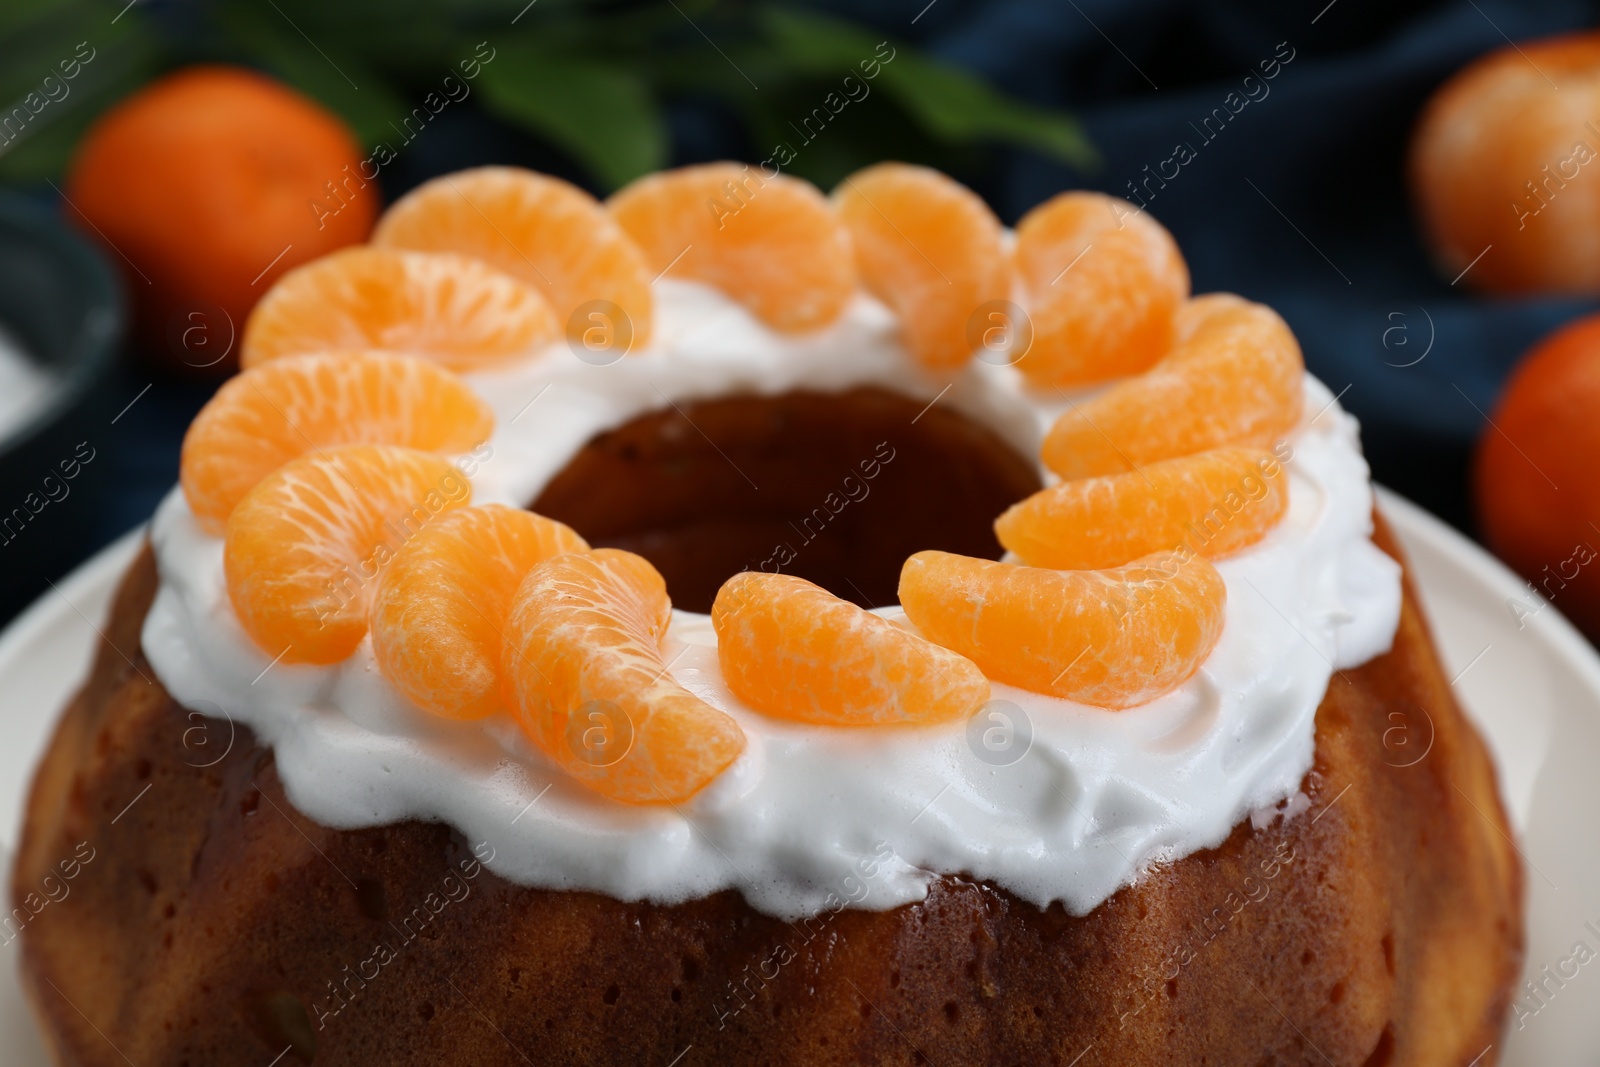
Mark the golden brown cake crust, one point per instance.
(217, 925)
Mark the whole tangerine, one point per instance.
(1505, 165)
(208, 184)
(1537, 477)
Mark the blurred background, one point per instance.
(1296, 195)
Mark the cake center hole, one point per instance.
(837, 488)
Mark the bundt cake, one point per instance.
(732, 625)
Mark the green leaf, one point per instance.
(603, 115)
(342, 83)
(19, 16)
(124, 57)
(948, 102)
(34, 47)
(957, 107)
(396, 35)
(585, 75)
(816, 43)
(365, 101)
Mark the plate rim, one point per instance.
(1556, 628)
(112, 558)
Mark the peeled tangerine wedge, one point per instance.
(773, 244)
(543, 230)
(1104, 280)
(795, 651)
(587, 681)
(438, 619)
(458, 312)
(305, 547)
(1113, 638)
(932, 250)
(273, 413)
(1213, 503)
(1234, 377)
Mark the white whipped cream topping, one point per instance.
(814, 818)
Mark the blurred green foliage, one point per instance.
(590, 78)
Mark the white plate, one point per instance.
(1532, 685)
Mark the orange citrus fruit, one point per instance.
(439, 614)
(1234, 377)
(587, 681)
(458, 312)
(1501, 169)
(547, 232)
(1537, 475)
(273, 413)
(1104, 281)
(931, 249)
(1114, 638)
(208, 184)
(773, 244)
(304, 548)
(793, 650)
(1214, 503)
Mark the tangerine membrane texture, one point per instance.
(458, 312)
(773, 244)
(587, 681)
(271, 414)
(304, 548)
(1104, 281)
(931, 249)
(793, 650)
(1114, 638)
(1234, 376)
(548, 232)
(1213, 503)
(439, 614)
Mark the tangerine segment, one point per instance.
(1234, 377)
(1114, 638)
(1104, 281)
(282, 409)
(459, 312)
(773, 244)
(438, 618)
(587, 682)
(793, 650)
(931, 249)
(547, 232)
(305, 547)
(1213, 503)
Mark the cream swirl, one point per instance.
(1051, 800)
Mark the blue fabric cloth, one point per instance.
(1298, 201)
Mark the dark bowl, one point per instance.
(61, 302)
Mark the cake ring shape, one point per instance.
(218, 925)
(1074, 804)
(754, 877)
